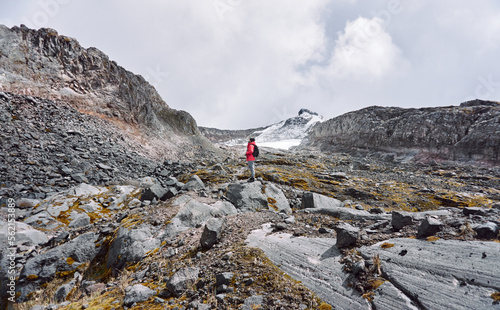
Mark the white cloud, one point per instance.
(365, 50)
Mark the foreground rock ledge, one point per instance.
(420, 274)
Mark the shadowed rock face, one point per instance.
(465, 133)
(44, 64)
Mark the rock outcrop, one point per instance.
(468, 132)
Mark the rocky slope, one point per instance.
(468, 132)
(207, 239)
(45, 64)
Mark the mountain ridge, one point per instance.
(45, 64)
(468, 132)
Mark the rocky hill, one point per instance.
(469, 132)
(45, 64)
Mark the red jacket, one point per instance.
(250, 151)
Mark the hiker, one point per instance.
(251, 158)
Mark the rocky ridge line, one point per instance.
(466, 133)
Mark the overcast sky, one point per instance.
(238, 64)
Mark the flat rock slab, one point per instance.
(441, 274)
(314, 262)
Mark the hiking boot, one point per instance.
(251, 180)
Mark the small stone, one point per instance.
(137, 293)
(474, 211)
(212, 232)
(400, 220)
(487, 231)
(429, 227)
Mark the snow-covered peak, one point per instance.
(294, 128)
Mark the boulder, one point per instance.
(25, 234)
(183, 280)
(131, 245)
(429, 227)
(253, 302)
(254, 196)
(156, 191)
(313, 200)
(63, 291)
(194, 183)
(401, 219)
(24, 203)
(347, 235)
(79, 220)
(79, 178)
(85, 190)
(137, 293)
(487, 231)
(320, 204)
(193, 213)
(211, 233)
(61, 260)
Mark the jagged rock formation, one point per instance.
(469, 132)
(44, 64)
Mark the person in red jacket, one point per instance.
(251, 159)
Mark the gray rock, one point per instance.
(65, 171)
(64, 258)
(320, 204)
(429, 227)
(194, 183)
(134, 203)
(137, 293)
(63, 291)
(313, 261)
(224, 278)
(313, 200)
(211, 233)
(347, 235)
(130, 246)
(401, 219)
(85, 190)
(25, 234)
(252, 302)
(24, 203)
(435, 275)
(79, 178)
(183, 280)
(253, 196)
(154, 192)
(193, 213)
(79, 220)
(474, 211)
(487, 231)
(104, 167)
(388, 297)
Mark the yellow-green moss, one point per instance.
(386, 245)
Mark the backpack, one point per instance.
(255, 151)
